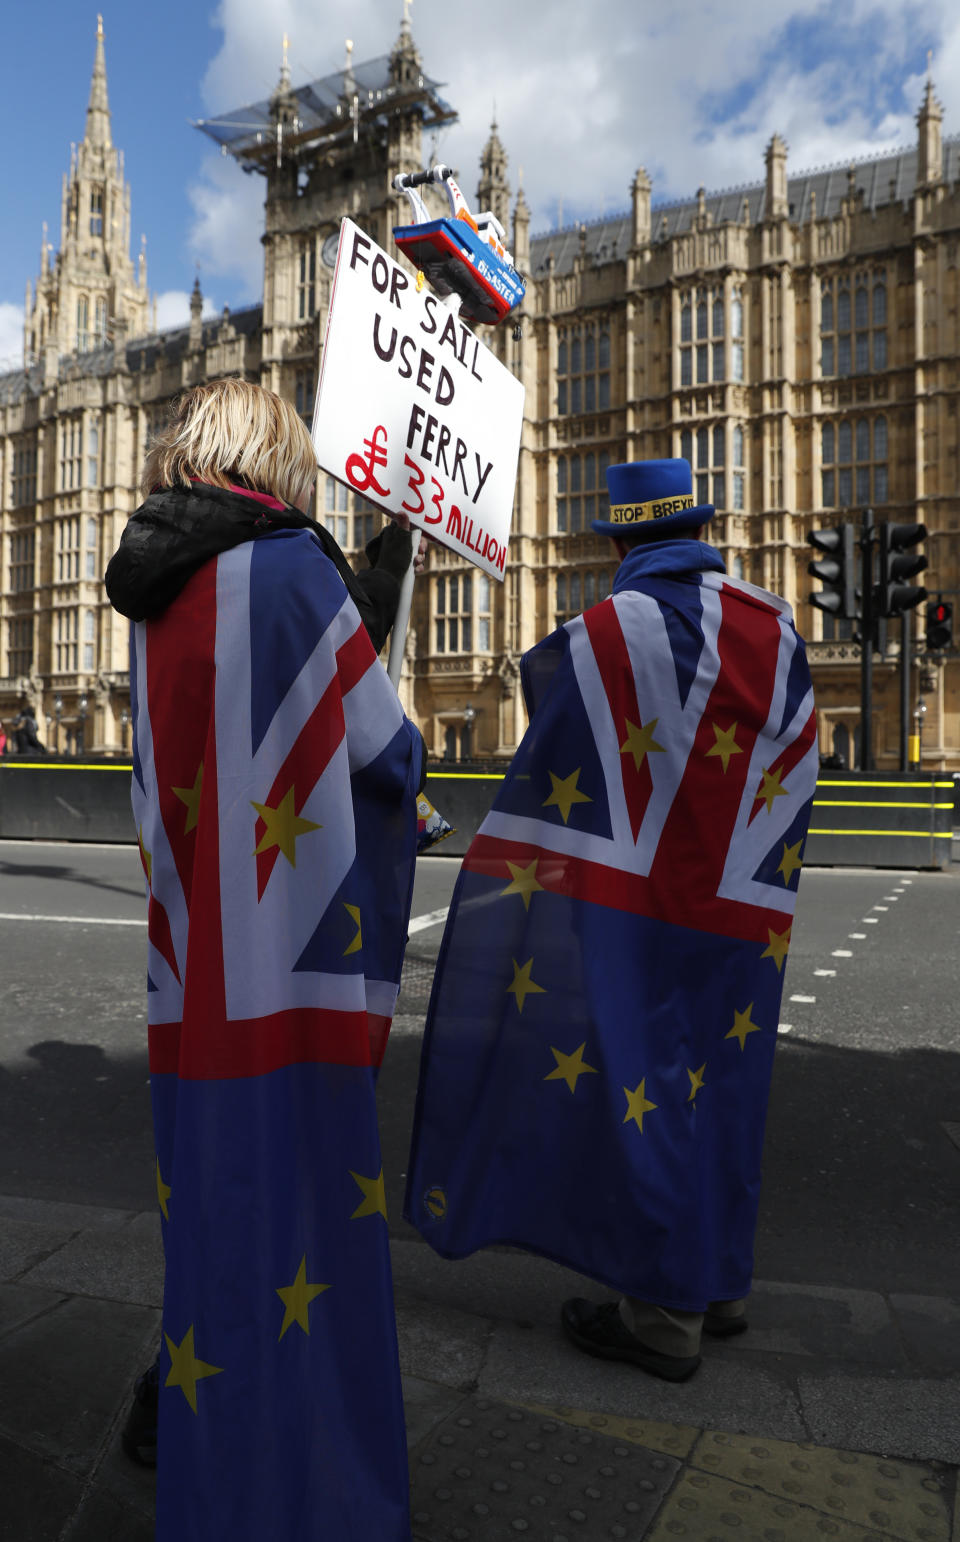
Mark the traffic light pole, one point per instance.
(905, 616)
(867, 538)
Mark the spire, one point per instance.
(929, 138)
(405, 62)
(98, 109)
(493, 190)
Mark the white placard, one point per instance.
(412, 410)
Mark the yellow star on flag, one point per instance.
(742, 1026)
(771, 789)
(640, 741)
(696, 1081)
(726, 744)
(296, 1299)
(778, 948)
(163, 1193)
(283, 826)
(523, 881)
(569, 1067)
(521, 986)
(191, 797)
(353, 911)
(374, 1201)
(790, 861)
(637, 1104)
(185, 1369)
(147, 858)
(566, 793)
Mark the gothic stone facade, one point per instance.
(796, 339)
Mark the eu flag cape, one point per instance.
(600, 1038)
(274, 789)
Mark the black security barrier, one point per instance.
(65, 800)
(869, 819)
(860, 819)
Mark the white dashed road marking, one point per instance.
(843, 953)
(825, 972)
(808, 999)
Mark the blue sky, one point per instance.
(583, 95)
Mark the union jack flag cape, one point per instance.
(274, 790)
(600, 1038)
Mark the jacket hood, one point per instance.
(175, 531)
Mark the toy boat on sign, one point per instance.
(460, 254)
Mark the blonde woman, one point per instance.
(274, 789)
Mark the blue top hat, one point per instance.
(655, 495)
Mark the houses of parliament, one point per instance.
(796, 339)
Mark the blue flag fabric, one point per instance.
(274, 790)
(600, 1038)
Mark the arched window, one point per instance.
(575, 351)
(880, 439)
(829, 444)
(83, 322)
(879, 304)
(863, 440)
(703, 447)
(846, 443)
(703, 327)
(590, 352)
(718, 445)
(718, 316)
(826, 312)
(738, 445)
(736, 314)
(686, 445)
(101, 314)
(843, 307)
(862, 304)
(562, 357)
(686, 329)
(604, 360)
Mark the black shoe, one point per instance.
(139, 1438)
(720, 1327)
(601, 1331)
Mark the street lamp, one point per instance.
(58, 709)
(466, 738)
(83, 724)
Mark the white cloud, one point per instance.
(11, 336)
(228, 222)
(173, 308)
(583, 95)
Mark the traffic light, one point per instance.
(897, 563)
(836, 570)
(939, 625)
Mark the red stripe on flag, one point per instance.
(180, 686)
(354, 658)
(692, 851)
(159, 933)
(787, 761)
(616, 672)
(309, 757)
(616, 890)
(214, 1050)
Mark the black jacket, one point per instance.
(177, 529)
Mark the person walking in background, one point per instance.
(274, 787)
(599, 1047)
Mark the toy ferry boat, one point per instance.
(460, 255)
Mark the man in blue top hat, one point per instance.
(600, 1041)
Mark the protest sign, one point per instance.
(412, 410)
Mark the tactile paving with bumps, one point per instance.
(490, 1472)
(740, 1487)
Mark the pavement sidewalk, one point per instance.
(837, 1415)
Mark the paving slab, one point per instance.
(58, 1213)
(38, 1497)
(115, 1264)
(20, 1303)
(930, 1327)
(496, 1282)
(64, 1375)
(822, 1323)
(439, 1344)
(425, 1405)
(101, 1518)
(23, 1244)
(910, 1418)
(491, 1472)
(899, 1499)
(531, 1366)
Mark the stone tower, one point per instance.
(88, 294)
(493, 191)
